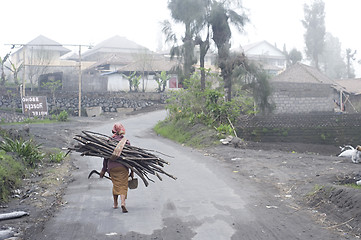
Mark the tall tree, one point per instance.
(350, 57)
(187, 12)
(314, 23)
(250, 76)
(176, 50)
(203, 49)
(222, 14)
(331, 61)
(204, 45)
(294, 56)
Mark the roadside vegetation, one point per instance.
(63, 116)
(210, 100)
(200, 118)
(18, 159)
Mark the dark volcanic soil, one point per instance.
(311, 175)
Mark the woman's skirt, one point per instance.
(119, 177)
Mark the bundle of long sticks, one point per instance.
(139, 160)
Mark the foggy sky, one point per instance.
(89, 22)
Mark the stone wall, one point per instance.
(302, 97)
(7, 117)
(109, 102)
(334, 129)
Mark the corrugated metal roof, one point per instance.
(351, 86)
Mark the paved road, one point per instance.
(207, 201)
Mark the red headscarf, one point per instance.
(118, 129)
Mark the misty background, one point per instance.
(82, 22)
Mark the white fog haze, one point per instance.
(82, 22)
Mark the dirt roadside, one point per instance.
(311, 175)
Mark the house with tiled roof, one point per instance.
(303, 89)
(40, 51)
(41, 57)
(118, 57)
(115, 45)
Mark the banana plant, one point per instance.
(15, 70)
(2, 64)
(134, 81)
(162, 80)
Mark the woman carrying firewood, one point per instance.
(118, 172)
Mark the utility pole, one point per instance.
(79, 81)
(24, 72)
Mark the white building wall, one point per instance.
(150, 85)
(264, 49)
(117, 83)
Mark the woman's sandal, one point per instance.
(124, 210)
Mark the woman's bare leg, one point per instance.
(122, 199)
(115, 197)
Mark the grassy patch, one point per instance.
(353, 185)
(54, 155)
(30, 121)
(11, 173)
(18, 110)
(181, 131)
(316, 189)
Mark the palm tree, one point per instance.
(203, 23)
(221, 16)
(189, 13)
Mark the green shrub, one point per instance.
(225, 129)
(27, 150)
(27, 120)
(62, 116)
(208, 107)
(56, 157)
